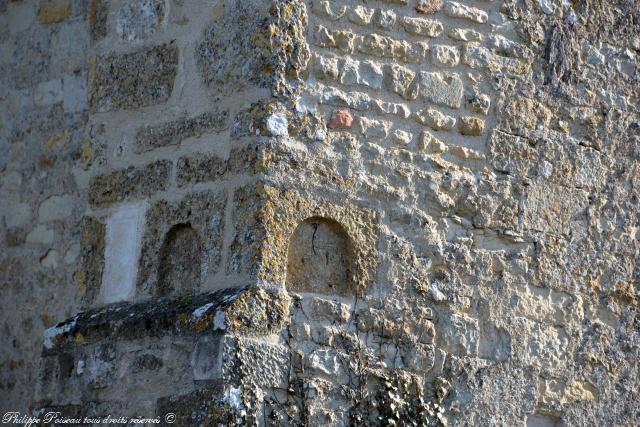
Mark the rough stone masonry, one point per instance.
(321, 212)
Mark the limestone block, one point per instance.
(322, 335)
(481, 57)
(461, 335)
(466, 153)
(20, 16)
(250, 44)
(430, 144)
(206, 359)
(445, 56)
(74, 96)
(56, 208)
(54, 11)
(269, 362)
(336, 311)
(400, 110)
(440, 88)
(361, 15)
(323, 37)
(387, 47)
(199, 168)
(420, 358)
(374, 129)
(472, 126)
(277, 124)
(319, 258)
(544, 346)
(555, 390)
(552, 208)
(422, 26)
(385, 19)
(48, 93)
(435, 119)
(124, 230)
(464, 34)
(325, 9)
(371, 74)
(349, 72)
(133, 80)
(129, 183)
(41, 235)
(173, 132)
(98, 10)
(548, 306)
(91, 266)
(16, 215)
(402, 137)
(457, 10)
(325, 361)
(427, 7)
(326, 67)
(479, 103)
(356, 100)
(400, 80)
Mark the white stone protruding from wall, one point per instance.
(123, 239)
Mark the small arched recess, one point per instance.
(180, 260)
(320, 258)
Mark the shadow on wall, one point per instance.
(320, 258)
(179, 264)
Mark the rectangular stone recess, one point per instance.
(123, 237)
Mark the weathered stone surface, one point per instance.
(319, 258)
(401, 80)
(133, 80)
(458, 10)
(472, 126)
(251, 44)
(441, 89)
(422, 26)
(445, 56)
(435, 119)
(428, 6)
(181, 244)
(124, 230)
(124, 184)
(341, 119)
(54, 11)
(202, 168)
(91, 266)
(174, 132)
(140, 19)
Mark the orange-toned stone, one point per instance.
(54, 11)
(341, 119)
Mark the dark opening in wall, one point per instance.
(319, 258)
(180, 258)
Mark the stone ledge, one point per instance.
(183, 315)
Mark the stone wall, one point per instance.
(427, 209)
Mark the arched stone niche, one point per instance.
(179, 263)
(287, 209)
(320, 258)
(168, 223)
